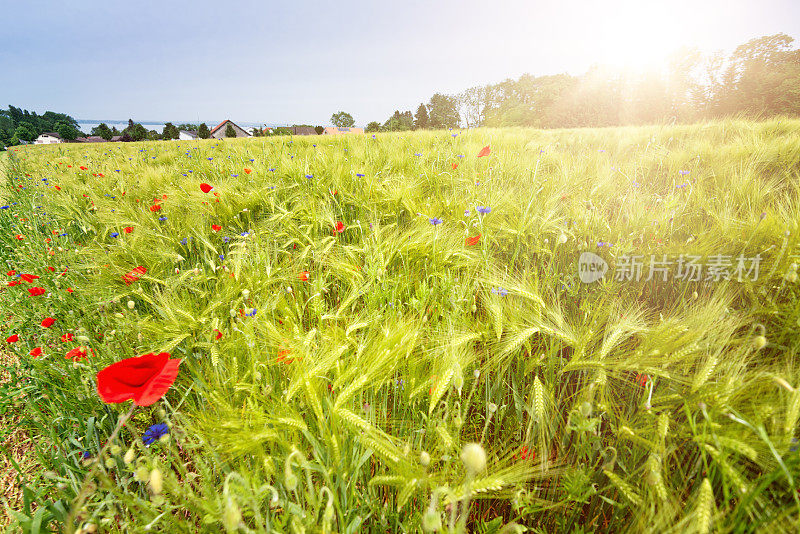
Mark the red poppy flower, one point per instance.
(216, 227)
(58, 188)
(128, 229)
(303, 276)
(19, 237)
(66, 337)
(133, 275)
(36, 291)
(50, 268)
(339, 228)
(13, 283)
(454, 165)
(11, 273)
(145, 379)
(247, 171)
(12, 338)
(70, 290)
(48, 322)
(83, 168)
(205, 188)
(28, 277)
(283, 356)
(77, 354)
(485, 151)
(155, 207)
(36, 352)
(218, 334)
(641, 379)
(473, 240)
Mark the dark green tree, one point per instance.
(170, 132)
(374, 126)
(103, 131)
(319, 129)
(203, 132)
(343, 120)
(25, 132)
(421, 120)
(443, 112)
(229, 131)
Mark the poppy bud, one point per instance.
(131, 305)
(431, 521)
(424, 459)
(232, 516)
(115, 450)
(110, 463)
(130, 455)
(562, 239)
(246, 294)
(759, 342)
(290, 482)
(142, 474)
(474, 458)
(156, 481)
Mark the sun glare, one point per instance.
(639, 35)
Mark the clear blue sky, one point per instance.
(300, 61)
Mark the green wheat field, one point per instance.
(391, 334)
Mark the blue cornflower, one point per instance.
(418, 154)
(309, 176)
(184, 241)
(683, 173)
(114, 234)
(162, 218)
(360, 175)
(436, 220)
(483, 209)
(235, 175)
(245, 234)
(4, 207)
(467, 213)
(460, 155)
(221, 257)
(116, 170)
(85, 455)
(154, 433)
(500, 291)
(252, 313)
(251, 160)
(209, 159)
(271, 170)
(226, 239)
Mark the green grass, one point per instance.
(643, 405)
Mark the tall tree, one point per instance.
(343, 120)
(170, 132)
(443, 112)
(203, 132)
(103, 131)
(229, 131)
(421, 120)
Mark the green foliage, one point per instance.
(399, 122)
(344, 402)
(373, 126)
(229, 130)
(421, 120)
(443, 112)
(34, 125)
(203, 132)
(103, 131)
(343, 120)
(170, 132)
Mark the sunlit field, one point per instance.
(391, 333)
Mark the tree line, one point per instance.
(759, 79)
(19, 125)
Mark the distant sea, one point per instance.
(86, 125)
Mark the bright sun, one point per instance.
(639, 34)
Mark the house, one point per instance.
(219, 131)
(185, 135)
(303, 130)
(48, 138)
(116, 138)
(337, 130)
